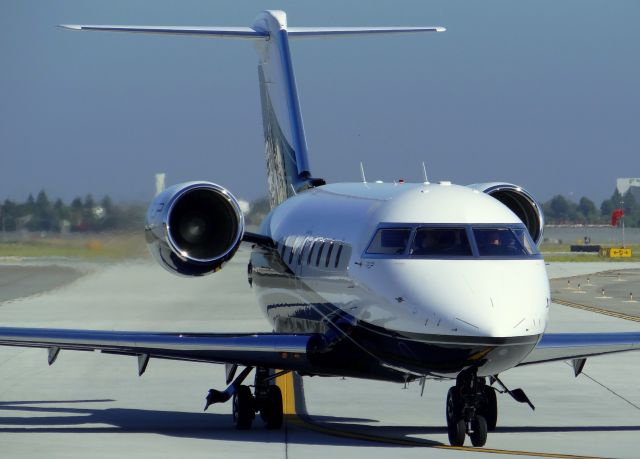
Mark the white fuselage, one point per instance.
(469, 296)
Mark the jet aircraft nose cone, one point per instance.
(484, 298)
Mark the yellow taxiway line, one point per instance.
(289, 399)
(606, 312)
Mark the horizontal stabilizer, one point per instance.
(217, 32)
(313, 32)
(252, 34)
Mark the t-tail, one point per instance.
(285, 143)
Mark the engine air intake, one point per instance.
(194, 228)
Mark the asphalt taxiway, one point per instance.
(91, 404)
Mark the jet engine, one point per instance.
(194, 228)
(520, 202)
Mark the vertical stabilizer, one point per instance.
(285, 143)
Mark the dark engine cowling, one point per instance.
(194, 228)
(520, 202)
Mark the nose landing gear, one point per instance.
(471, 410)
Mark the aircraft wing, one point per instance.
(574, 346)
(273, 350)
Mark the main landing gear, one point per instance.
(472, 409)
(266, 399)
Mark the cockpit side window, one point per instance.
(388, 241)
(525, 239)
(441, 242)
(499, 242)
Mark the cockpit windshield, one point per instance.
(452, 241)
(441, 242)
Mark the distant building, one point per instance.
(626, 184)
(160, 183)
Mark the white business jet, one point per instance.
(388, 281)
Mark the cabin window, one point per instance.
(313, 245)
(441, 242)
(305, 247)
(326, 263)
(319, 253)
(499, 242)
(338, 256)
(295, 246)
(389, 241)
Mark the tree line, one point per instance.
(81, 215)
(560, 210)
(90, 215)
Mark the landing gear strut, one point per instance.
(471, 409)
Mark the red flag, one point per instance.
(616, 215)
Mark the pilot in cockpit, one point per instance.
(425, 241)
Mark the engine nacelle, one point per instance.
(520, 202)
(194, 228)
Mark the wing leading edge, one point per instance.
(571, 346)
(273, 350)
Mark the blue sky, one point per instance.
(544, 94)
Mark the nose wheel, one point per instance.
(456, 427)
(489, 408)
(478, 432)
(471, 410)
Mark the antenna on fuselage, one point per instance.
(364, 179)
(424, 169)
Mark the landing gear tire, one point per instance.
(243, 408)
(271, 412)
(456, 427)
(490, 411)
(457, 433)
(478, 434)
